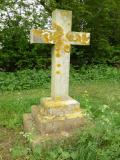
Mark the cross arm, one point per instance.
(78, 38)
(41, 36)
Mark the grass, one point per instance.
(100, 98)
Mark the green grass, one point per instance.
(101, 141)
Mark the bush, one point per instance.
(28, 79)
(96, 73)
(25, 79)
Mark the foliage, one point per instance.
(100, 18)
(28, 79)
(97, 141)
(96, 73)
(25, 79)
(17, 20)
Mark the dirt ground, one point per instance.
(8, 139)
(6, 142)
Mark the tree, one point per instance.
(18, 17)
(100, 18)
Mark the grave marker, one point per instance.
(59, 115)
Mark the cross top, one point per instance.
(62, 37)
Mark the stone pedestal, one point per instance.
(53, 119)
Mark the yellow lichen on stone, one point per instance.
(57, 48)
(58, 98)
(67, 48)
(57, 55)
(54, 104)
(58, 72)
(37, 32)
(74, 38)
(60, 102)
(57, 39)
(46, 38)
(76, 108)
(74, 115)
(58, 65)
(66, 116)
(58, 33)
(57, 28)
(85, 39)
(51, 37)
(78, 38)
(70, 36)
(64, 14)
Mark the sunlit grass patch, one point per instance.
(97, 141)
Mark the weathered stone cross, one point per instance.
(62, 38)
(59, 115)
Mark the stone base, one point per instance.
(53, 119)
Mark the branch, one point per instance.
(47, 8)
(8, 18)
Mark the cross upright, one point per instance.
(62, 37)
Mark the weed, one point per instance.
(98, 91)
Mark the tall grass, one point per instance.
(97, 88)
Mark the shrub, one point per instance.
(27, 79)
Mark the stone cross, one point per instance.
(62, 37)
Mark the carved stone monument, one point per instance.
(59, 115)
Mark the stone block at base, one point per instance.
(60, 107)
(43, 125)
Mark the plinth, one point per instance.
(53, 120)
